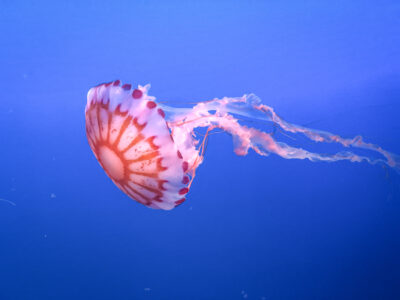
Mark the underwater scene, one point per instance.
(200, 149)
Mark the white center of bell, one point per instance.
(111, 162)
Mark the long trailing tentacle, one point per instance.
(220, 113)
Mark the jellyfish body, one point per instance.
(151, 151)
(131, 140)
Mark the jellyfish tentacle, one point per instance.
(219, 113)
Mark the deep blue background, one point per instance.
(261, 228)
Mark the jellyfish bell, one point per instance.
(131, 140)
(151, 151)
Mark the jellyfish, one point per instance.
(151, 151)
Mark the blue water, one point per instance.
(252, 227)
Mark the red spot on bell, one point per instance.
(137, 94)
(151, 104)
(179, 202)
(116, 82)
(185, 166)
(161, 112)
(126, 87)
(179, 154)
(183, 191)
(185, 180)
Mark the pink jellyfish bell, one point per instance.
(132, 142)
(151, 151)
